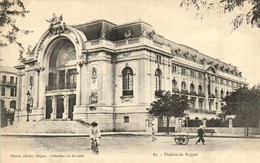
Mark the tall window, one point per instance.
(72, 75)
(12, 80)
(12, 93)
(4, 79)
(158, 76)
(174, 85)
(192, 73)
(222, 94)
(183, 85)
(174, 68)
(200, 75)
(192, 87)
(183, 71)
(200, 89)
(127, 74)
(158, 58)
(216, 92)
(3, 91)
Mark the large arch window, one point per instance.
(158, 76)
(128, 81)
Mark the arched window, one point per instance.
(183, 85)
(3, 91)
(174, 84)
(158, 76)
(200, 89)
(127, 74)
(222, 94)
(227, 93)
(192, 87)
(216, 92)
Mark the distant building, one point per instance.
(111, 73)
(8, 91)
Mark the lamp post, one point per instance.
(28, 105)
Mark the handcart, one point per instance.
(182, 138)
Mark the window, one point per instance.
(200, 75)
(72, 82)
(12, 93)
(12, 80)
(200, 89)
(183, 85)
(174, 85)
(158, 58)
(127, 74)
(126, 119)
(3, 91)
(4, 79)
(13, 104)
(183, 71)
(222, 94)
(192, 87)
(174, 68)
(192, 73)
(222, 81)
(216, 92)
(158, 76)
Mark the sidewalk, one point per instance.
(190, 135)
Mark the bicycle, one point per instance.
(94, 147)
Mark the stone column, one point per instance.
(66, 107)
(206, 103)
(78, 89)
(41, 92)
(196, 103)
(54, 107)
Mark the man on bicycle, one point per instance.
(94, 132)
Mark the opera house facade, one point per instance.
(111, 73)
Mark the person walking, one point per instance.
(200, 135)
(95, 132)
(153, 133)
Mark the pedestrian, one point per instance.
(95, 132)
(200, 135)
(153, 133)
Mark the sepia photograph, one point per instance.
(138, 81)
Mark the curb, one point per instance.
(119, 134)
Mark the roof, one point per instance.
(96, 29)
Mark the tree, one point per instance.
(204, 7)
(245, 104)
(10, 10)
(169, 105)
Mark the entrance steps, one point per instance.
(48, 127)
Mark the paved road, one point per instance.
(122, 148)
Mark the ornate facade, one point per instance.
(111, 73)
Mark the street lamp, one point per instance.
(28, 105)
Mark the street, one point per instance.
(128, 148)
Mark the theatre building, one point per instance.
(111, 73)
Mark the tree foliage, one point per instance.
(245, 104)
(204, 7)
(10, 10)
(169, 105)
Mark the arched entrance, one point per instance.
(62, 80)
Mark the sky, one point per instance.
(212, 36)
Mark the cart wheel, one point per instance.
(177, 141)
(185, 141)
